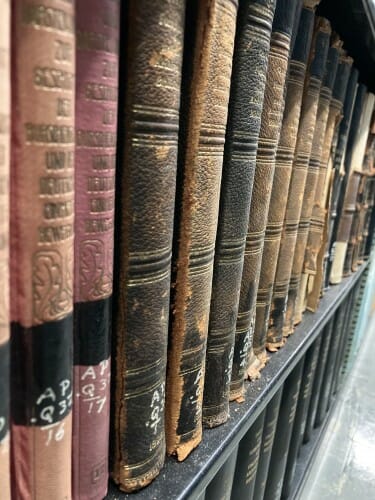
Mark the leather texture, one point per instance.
(42, 235)
(273, 107)
(207, 119)
(318, 55)
(151, 69)
(250, 60)
(283, 170)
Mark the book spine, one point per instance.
(268, 437)
(309, 368)
(315, 246)
(221, 486)
(338, 162)
(273, 107)
(150, 81)
(314, 181)
(284, 429)
(4, 248)
(318, 55)
(245, 108)
(198, 222)
(96, 124)
(357, 228)
(283, 170)
(247, 460)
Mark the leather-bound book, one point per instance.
(268, 437)
(283, 169)
(313, 261)
(338, 169)
(250, 60)
(315, 70)
(357, 227)
(4, 247)
(196, 230)
(150, 74)
(247, 460)
(295, 305)
(284, 430)
(42, 235)
(272, 112)
(309, 369)
(96, 128)
(221, 486)
(353, 166)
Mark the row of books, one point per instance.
(174, 176)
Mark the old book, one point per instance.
(250, 60)
(96, 123)
(353, 166)
(272, 112)
(221, 486)
(296, 302)
(147, 164)
(41, 272)
(196, 232)
(313, 253)
(4, 248)
(357, 227)
(319, 50)
(284, 430)
(309, 369)
(283, 170)
(268, 436)
(247, 460)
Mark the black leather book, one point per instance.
(250, 62)
(268, 436)
(283, 434)
(247, 460)
(221, 486)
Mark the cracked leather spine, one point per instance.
(273, 107)
(295, 304)
(357, 227)
(250, 61)
(4, 248)
(314, 75)
(198, 217)
(315, 248)
(150, 75)
(96, 114)
(283, 167)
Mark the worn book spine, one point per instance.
(295, 305)
(357, 227)
(207, 118)
(150, 82)
(96, 124)
(272, 112)
(284, 430)
(319, 50)
(283, 169)
(315, 245)
(268, 437)
(370, 224)
(41, 271)
(353, 167)
(337, 172)
(220, 487)
(4, 248)
(247, 460)
(309, 369)
(250, 62)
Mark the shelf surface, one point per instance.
(186, 480)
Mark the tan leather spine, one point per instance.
(198, 222)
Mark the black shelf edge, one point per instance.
(186, 480)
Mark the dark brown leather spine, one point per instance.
(207, 120)
(145, 195)
(283, 169)
(273, 108)
(319, 50)
(250, 62)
